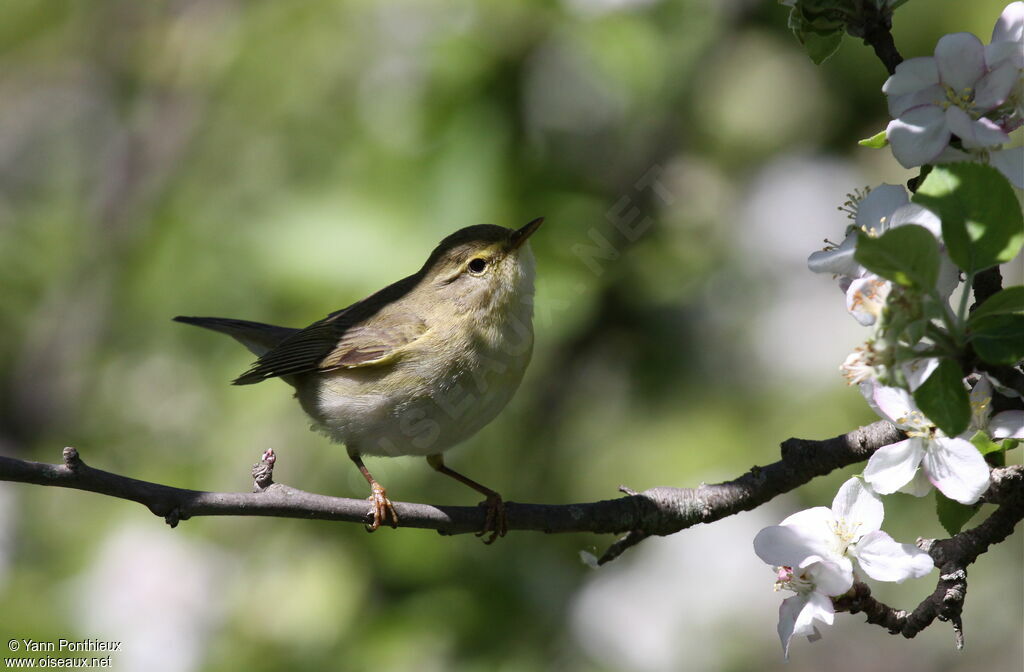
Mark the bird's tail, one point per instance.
(256, 336)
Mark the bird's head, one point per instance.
(483, 268)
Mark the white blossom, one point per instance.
(927, 457)
(813, 553)
(811, 603)
(869, 361)
(1003, 425)
(1007, 45)
(1009, 162)
(933, 98)
(881, 209)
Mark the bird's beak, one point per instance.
(519, 236)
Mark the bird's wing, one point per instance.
(336, 343)
(370, 344)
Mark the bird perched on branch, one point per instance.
(416, 367)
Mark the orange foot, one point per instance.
(381, 507)
(496, 522)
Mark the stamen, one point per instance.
(861, 364)
(853, 200)
(963, 99)
(786, 578)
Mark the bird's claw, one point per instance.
(496, 523)
(381, 508)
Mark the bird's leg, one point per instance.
(497, 520)
(382, 508)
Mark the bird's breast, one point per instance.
(447, 387)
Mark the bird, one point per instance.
(417, 367)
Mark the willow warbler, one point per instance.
(417, 367)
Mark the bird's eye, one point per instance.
(477, 265)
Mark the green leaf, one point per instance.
(995, 453)
(943, 398)
(984, 444)
(876, 141)
(999, 339)
(952, 514)
(821, 47)
(816, 27)
(982, 224)
(907, 255)
(1007, 301)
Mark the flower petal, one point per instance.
(981, 393)
(981, 403)
(1010, 24)
(949, 277)
(1007, 425)
(821, 608)
(832, 578)
(834, 572)
(918, 486)
(998, 53)
(954, 155)
(1009, 162)
(932, 95)
(974, 133)
(917, 214)
(813, 532)
(858, 506)
(912, 75)
(1001, 387)
(789, 612)
(797, 615)
(995, 87)
(918, 370)
(874, 211)
(838, 261)
(892, 466)
(785, 545)
(956, 468)
(960, 58)
(865, 298)
(883, 559)
(817, 520)
(918, 135)
(892, 403)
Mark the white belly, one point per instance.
(413, 409)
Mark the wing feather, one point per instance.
(367, 333)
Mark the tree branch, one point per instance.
(874, 25)
(658, 511)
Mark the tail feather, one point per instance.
(256, 336)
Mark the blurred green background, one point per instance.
(276, 161)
